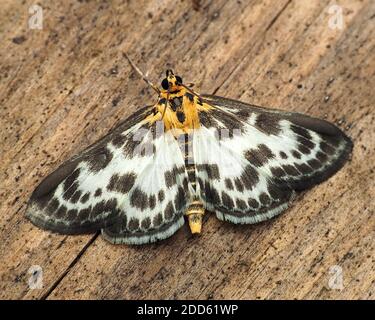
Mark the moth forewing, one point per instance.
(277, 152)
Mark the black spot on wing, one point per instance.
(250, 177)
(120, 226)
(146, 223)
(99, 161)
(146, 149)
(277, 193)
(283, 155)
(207, 120)
(296, 154)
(98, 192)
(228, 184)
(110, 205)
(322, 157)
(98, 209)
(85, 197)
(264, 199)
(253, 203)
(85, 213)
(227, 200)
(133, 224)
(158, 220)
(152, 201)
(268, 123)
(212, 170)
(314, 163)
(123, 183)
(300, 131)
(132, 141)
(68, 193)
(170, 176)
(240, 204)
(180, 201)
(61, 211)
(211, 194)
(161, 196)
(71, 215)
(238, 184)
(53, 205)
(243, 113)
(326, 148)
(278, 172)
(229, 121)
(76, 196)
(185, 184)
(305, 142)
(290, 170)
(138, 199)
(169, 211)
(303, 168)
(303, 149)
(118, 140)
(260, 156)
(71, 179)
(162, 101)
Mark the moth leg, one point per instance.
(195, 212)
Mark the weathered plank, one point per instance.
(66, 85)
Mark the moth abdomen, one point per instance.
(195, 213)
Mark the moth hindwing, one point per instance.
(183, 156)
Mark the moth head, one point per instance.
(172, 82)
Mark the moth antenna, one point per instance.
(165, 105)
(141, 73)
(190, 90)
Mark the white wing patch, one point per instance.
(154, 208)
(240, 192)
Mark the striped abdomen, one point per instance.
(195, 210)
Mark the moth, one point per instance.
(183, 156)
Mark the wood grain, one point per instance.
(66, 85)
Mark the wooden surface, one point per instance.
(66, 85)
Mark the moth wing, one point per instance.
(261, 157)
(155, 207)
(99, 188)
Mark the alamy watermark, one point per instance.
(336, 19)
(35, 280)
(336, 280)
(144, 141)
(36, 17)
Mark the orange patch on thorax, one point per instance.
(184, 117)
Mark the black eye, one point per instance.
(179, 79)
(165, 84)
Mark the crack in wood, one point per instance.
(71, 265)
